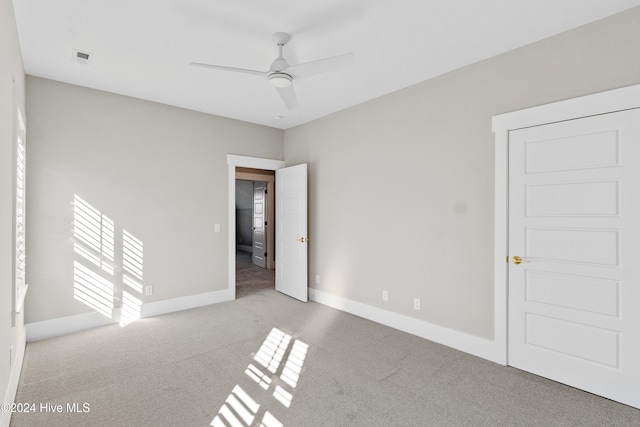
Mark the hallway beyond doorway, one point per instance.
(251, 279)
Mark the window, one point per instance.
(20, 285)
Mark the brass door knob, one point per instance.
(517, 260)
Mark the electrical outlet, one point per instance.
(148, 290)
(317, 279)
(416, 304)
(385, 296)
(217, 228)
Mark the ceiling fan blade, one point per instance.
(288, 96)
(320, 66)
(237, 70)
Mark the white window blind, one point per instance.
(20, 210)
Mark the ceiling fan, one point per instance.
(281, 75)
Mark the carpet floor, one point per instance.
(268, 360)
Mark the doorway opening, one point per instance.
(254, 230)
(234, 161)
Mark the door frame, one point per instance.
(625, 98)
(234, 161)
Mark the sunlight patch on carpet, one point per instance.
(240, 409)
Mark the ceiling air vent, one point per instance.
(82, 57)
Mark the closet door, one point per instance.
(574, 245)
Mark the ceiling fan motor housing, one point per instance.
(278, 79)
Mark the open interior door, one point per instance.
(291, 231)
(259, 224)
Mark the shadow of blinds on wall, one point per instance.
(20, 285)
(132, 276)
(101, 262)
(93, 271)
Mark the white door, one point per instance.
(291, 231)
(574, 219)
(259, 224)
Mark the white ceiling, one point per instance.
(142, 48)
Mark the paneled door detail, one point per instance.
(574, 253)
(291, 231)
(259, 224)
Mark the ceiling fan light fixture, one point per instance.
(280, 80)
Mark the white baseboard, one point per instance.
(65, 325)
(184, 303)
(70, 324)
(484, 348)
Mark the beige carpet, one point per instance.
(266, 359)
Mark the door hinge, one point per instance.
(265, 254)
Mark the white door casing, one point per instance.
(574, 217)
(259, 241)
(291, 232)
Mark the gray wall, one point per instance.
(419, 163)
(10, 69)
(157, 171)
